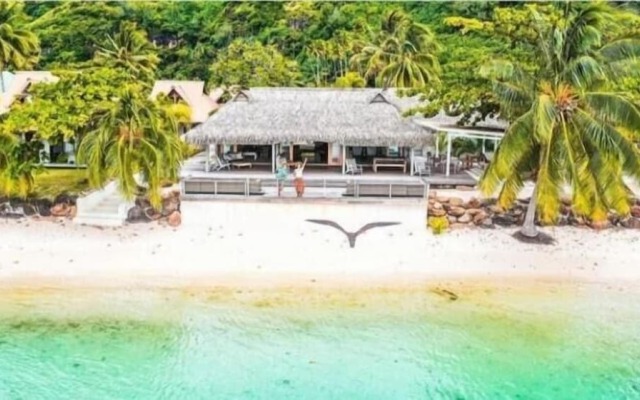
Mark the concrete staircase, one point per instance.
(105, 207)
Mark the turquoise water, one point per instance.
(549, 342)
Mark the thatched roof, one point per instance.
(368, 117)
(192, 93)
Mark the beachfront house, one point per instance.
(193, 94)
(15, 88)
(340, 130)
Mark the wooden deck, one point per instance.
(319, 182)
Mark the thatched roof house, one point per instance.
(356, 117)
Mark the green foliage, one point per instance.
(17, 175)
(350, 80)
(53, 182)
(19, 47)
(129, 50)
(401, 54)
(438, 225)
(250, 63)
(135, 137)
(64, 109)
(569, 127)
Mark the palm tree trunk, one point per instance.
(529, 227)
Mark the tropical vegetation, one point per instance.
(563, 74)
(572, 128)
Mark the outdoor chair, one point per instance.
(218, 164)
(352, 167)
(421, 167)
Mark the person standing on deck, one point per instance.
(297, 178)
(282, 172)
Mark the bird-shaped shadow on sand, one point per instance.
(352, 235)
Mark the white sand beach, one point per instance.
(270, 243)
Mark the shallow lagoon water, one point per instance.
(542, 341)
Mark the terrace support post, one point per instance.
(411, 154)
(448, 167)
(273, 158)
(437, 148)
(344, 158)
(484, 150)
(207, 161)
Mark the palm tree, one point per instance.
(136, 136)
(131, 50)
(18, 47)
(401, 54)
(569, 128)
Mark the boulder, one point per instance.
(635, 211)
(474, 203)
(442, 199)
(169, 205)
(452, 219)
(457, 211)
(598, 225)
(479, 217)
(465, 218)
(496, 209)
(65, 199)
(474, 211)
(504, 220)
(631, 223)
(456, 202)
(433, 194)
(60, 210)
(175, 219)
(487, 223)
(136, 214)
(436, 205)
(436, 213)
(73, 210)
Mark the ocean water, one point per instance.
(542, 341)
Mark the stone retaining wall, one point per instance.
(487, 214)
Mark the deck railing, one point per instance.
(352, 186)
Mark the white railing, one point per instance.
(324, 183)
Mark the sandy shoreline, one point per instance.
(268, 244)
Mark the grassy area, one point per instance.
(52, 182)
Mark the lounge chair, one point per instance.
(421, 167)
(218, 164)
(352, 167)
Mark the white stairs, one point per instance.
(105, 207)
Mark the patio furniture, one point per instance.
(390, 163)
(352, 167)
(218, 164)
(242, 164)
(251, 154)
(421, 167)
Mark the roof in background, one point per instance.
(192, 92)
(275, 115)
(19, 85)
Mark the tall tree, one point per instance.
(402, 54)
(19, 47)
(130, 50)
(249, 63)
(134, 137)
(569, 127)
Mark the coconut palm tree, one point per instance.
(18, 47)
(401, 54)
(569, 129)
(135, 137)
(131, 50)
